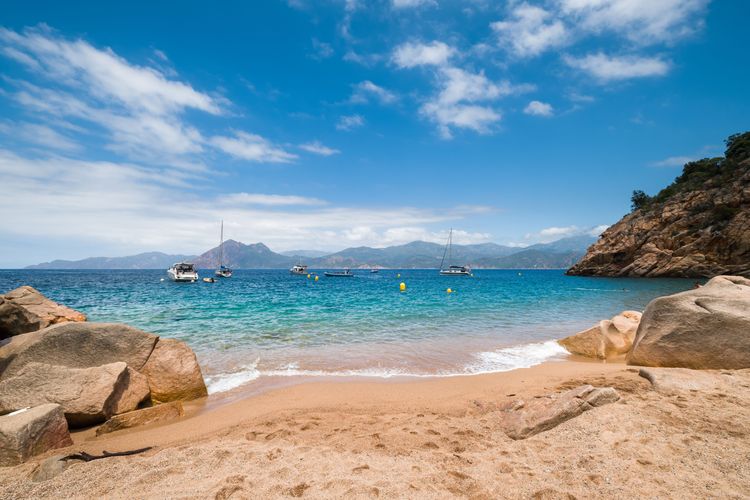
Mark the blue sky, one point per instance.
(133, 127)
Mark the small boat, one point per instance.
(209, 280)
(298, 268)
(452, 270)
(346, 273)
(222, 271)
(373, 271)
(183, 272)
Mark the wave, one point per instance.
(501, 360)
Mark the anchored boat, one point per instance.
(222, 271)
(346, 273)
(183, 272)
(452, 270)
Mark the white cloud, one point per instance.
(269, 199)
(456, 104)
(365, 90)
(139, 109)
(321, 50)
(674, 161)
(123, 206)
(641, 21)
(610, 68)
(350, 122)
(554, 233)
(402, 4)
(252, 147)
(411, 54)
(530, 30)
(318, 148)
(538, 108)
(41, 135)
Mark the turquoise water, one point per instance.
(269, 323)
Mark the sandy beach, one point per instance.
(431, 438)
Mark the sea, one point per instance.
(261, 327)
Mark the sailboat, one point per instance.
(452, 270)
(223, 271)
(299, 268)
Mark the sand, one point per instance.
(434, 438)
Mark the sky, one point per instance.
(138, 126)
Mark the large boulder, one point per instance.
(25, 309)
(522, 419)
(704, 328)
(610, 338)
(31, 432)
(681, 380)
(86, 395)
(145, 416)
(78, 345)
(173, 373)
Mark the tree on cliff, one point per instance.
(639, 199)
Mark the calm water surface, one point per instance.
(268, 323)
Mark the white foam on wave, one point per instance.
(501, 360)
(511, 358)
(223, 382)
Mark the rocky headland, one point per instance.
(697, 227)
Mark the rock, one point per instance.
(704, 328)
(697, 227)
(25, 309)
(159, 413)
(78, 345)
(173, 373)
(86, 395)
(134, 390)
(676, 380)
(608, 339)
(522, 419)
(31, 432)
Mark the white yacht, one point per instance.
(222, 271)
(298, 269)
(183, 271)
(452, 270)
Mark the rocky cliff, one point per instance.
(699, 226)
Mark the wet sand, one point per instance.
(429, 438)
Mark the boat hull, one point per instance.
(455, 273)
(339, 275)
(182, 277)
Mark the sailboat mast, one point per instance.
(450, 247)
(447, 246)
(221, 245)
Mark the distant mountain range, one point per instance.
(417, 254)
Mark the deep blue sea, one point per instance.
(269, 323)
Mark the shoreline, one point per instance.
(433, 438)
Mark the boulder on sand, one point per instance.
(159, 413)
(705, 328)
(609, 339)
(86, 395)
(78, 345)
(31, 432)
(679, 380)
(25, 309)
(521, 419)
(173, 373)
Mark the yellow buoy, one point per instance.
(308, 276)
(316, 278)
(402, 287)
(449, 290)
(398, 275)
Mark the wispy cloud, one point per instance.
(412, 54)
(674, 161)
(269, 200)
(612, 68)
(318, 148)
(406, 4)
(366, 90)
(350, 122)
(252, 147)
(530, 30)
(538, 108)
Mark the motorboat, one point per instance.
(452, 270)
(209, 280)
(373, 271)
(298, 269)
(346, 273)
(183, 272)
